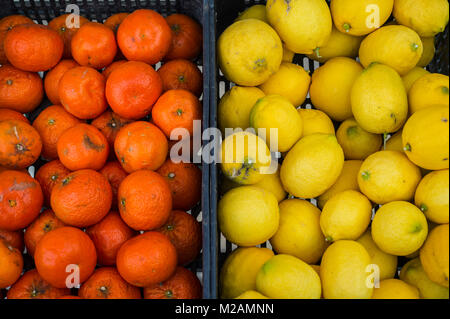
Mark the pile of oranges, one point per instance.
(108, 208)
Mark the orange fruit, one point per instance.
(109, 123)
(185, 182)
(61, 248)
(32, 286)
(144, 35)
(33, 47)
(187, 37)
(53, 77)
(108, 236)
(113, 66)
(181, 75)
(145, 201)
(11, 264)
(147, 259)
(20, 91)
(7, 114)
(6, 24)
(132, 89)
(182, 285)
(106, 283)
(51, 123)
(69, 297)
(94, 45)
(48, 175)
(82, 199)
(21, 200)
(141, 145)
(14, 238)
(114, 21)
(177, 109)
(185, 233)
(82, 92)
(83, 146)
(46, 222)
(115, 174)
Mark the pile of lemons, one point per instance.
(376, 140)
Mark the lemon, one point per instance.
(426, 17)
(432, 196)
(339, 45)
(430, 89)
(312, 166)
(348, 180)
(291, 81)
(276, 112)
(425, 138)
(387, 263)
(245, 158)
(287, 277)
(395, 142)
(331, 86)
(414, 274)
(238, 273)
(315, 121)
(395, 289)
(395, 45)
(299, 233)
(357, 17)
(272, 183)
(399, 228)
(388, 176)
(344, 271)
(357, 143)
(434, 255)
(235, 107)
(251, 294)
(249, 52)
(248, 216)
(429, 50)
(316, 268)
(379, 101)
(412, 76)
(303, 25)
(255, 12)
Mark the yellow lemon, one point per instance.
(248, 216)
(395, 45)
(395, 289)
(316, 268)
(348, 180)
(434, 255)
(430, 89)
(388, 176)
(251, 294)
(238, 273)
(299, 233)
(387, 263)
(379, 100)
(245, 158)
(360, 17)
(303, 25)
(357, 143)
(414, 274)
(254, 12)
(344, 271)
(412, 76)
(425, 138)
(331, 86)
(312, 166)
(432, 196)
(288, 55)
(276, 112)
(291, 81)
(399, 228)
(346, 216)
(249, 52)
(315, 121)
(339, 45)
(429, 50)
(287, 277)
(395, 142)
(235, 107)
(272, 183)
(426, 17)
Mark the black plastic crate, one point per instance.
(42, 11)
(223, 15)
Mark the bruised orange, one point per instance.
(110, 123)
(187, 37)
(14, 238)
